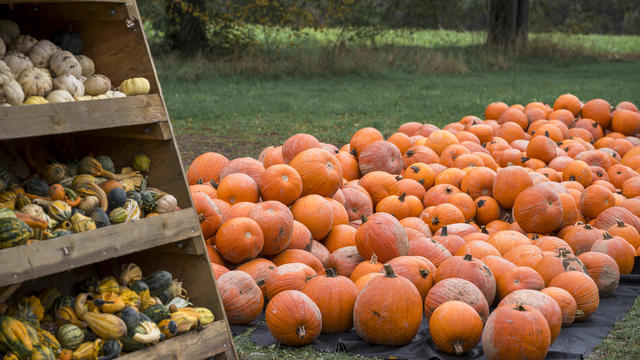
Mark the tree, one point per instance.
(508, 24)
(187, 25)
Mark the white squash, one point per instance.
(114, 94)
(9, 30)
(69, 83)
(59, 96)
(64, 62)
(42, 52)
(135, 86)
(97, 85)
(23, 44)
(17, 62)
(36, 82)
(5, 72)
(167, 203)
(87, 65)
(11, 93)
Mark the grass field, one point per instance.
(239, 107)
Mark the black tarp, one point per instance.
(573, 342)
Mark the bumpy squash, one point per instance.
(22, 311)
(13, 232)
(36, 306)
(141, 162)
(106, 326)
(81, 223)
(168, 327)
(84, 351)
(47, 339)
(107, 285)
(135, 86)
(130, 298)
(118, 216)
(48, 296)
(157, 312)
(59, 210)
(41, 352)
(132, 209)
(66, 315)
(148, 204)
(184, 321)
(14, 337)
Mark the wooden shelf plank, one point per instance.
(196, 345)
(47, 257)
(49, 119)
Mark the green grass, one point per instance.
(623, 342)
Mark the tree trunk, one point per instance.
(187, 28)
(508, 24)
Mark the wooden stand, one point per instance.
(114, 39)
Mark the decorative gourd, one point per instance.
(166, 204)
(168, 327)
(131, 208)
(36, 186)
(184, 321)
(36, 81)
(17, 62)
(42, 52)
(205, 316)
(35, 305)
(106, 326)
(14, 337)
(130, 273)
(69, 83)
(42, 353)
(147, 332)
(70, 336)
(66, 315)
(13, 232)
(135, 86)
(111, 349)
(106, 163)
(69, 40)
(63, 62)
(11, 93)
(35, 100)
(158, 282)
(5, 72)
(84, 351)
(157, 312)
(49, 340)
(148, 204)
(97, 84)
(91, 189)
(81, 223)
(59, 96)
(23, 43)
(89, 165)
(87, 65)
(60, 210)
(100, 218)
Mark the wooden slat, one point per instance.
(49, 119)
(196, 345)
(56, 255)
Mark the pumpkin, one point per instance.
(357, 203)
(321, 172)
(315, 213)
(239, 239)
(559, 261)
(377, 308)
(514, 330)
(341, 235)
(70, 336)
(206, 167)
(135, 86)
(247, 166)
(624, 231)
(455, 327)
(87, 65)
(453, 243)
(429, 249)
(335, 296)
(379, 185)
(380, 156)
(276, 222)
(524, 255)
(297, 144)
(519, 278)
(293, 318)
(209, 214)
(97, 84)
(471, 269)
(603, 269)
(566, 302)
(299, 256)
(291, 276)
(538, 209)
(583, 289)
(619, 249)
(366, 267)
(238, 187)
(420, 271)
(17, 63)
(344, 260)
(478, 182)
(36, 82)
(362, 138)
(259, 269)
(300, 237)
(478, 249)
(383, 235)
(281, 183)
(241, 296)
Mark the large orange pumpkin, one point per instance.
(455, 327)
(603, 269)
(208, 213)
(420, 271)
(456, 289)
(429, 249)
(246, 165)
(293, 318)
(598, 110)
(388, 311)
(471, 269)
(567, 303)
(340, 236)
(349, 163)
(547, 306)
(619, 249)
(300, 237)
(478, 182)
(276, 222)
(316, 213)
(259, 269)
(380, 156)
(362, 138)
(344, 260)
(297, 144)
(514, 331)
(583, 289)
(335, 296)
(299, 256)
(379, 185)
(239, 239)
(242, 299)
(519, 278)
(238, 187)
(291, 276)
(321, 172)
(281, 183)
(554, 263)
(538, 209)
(383, 235)
(206, 167)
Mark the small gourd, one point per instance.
(111, 349)
(108, 284)
(132, 209)
(64, 62)
(14, 337)
(118, 216)
(42, 52)
(17, 62)
(87, 65)
(167, 203)
(35, 100)
(36, 186)
(84, 351)
(205, 316)
(53, 173)
(184, 321)
(106, 163)
(100, 217)
(66, 315)
(13, 232)
(135, 86)
(168, 327)
(23, 43)
(130, 298)
(36, 81)
(89, 204)
(8, 199)
(130, 273)
(115, 94)
(23, 312)
(141, 162)
(89, 165)
(109, 302)
(11, 93)
(81, 223)
(117, 197)
(36, 306)
(106, 326)
(158, 282)
(9, 30)
(49, 340)
(147, 332)
(59, 96)
(59, 210)
(97, 84)
(69, 83)
(42, 353)
(70, 336)
(81, 179)
(157, 312)
(5, 73)
(22, 200)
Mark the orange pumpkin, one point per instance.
(357, 203)
(583, 289)
(619, 249)
(291, 276)
(598, 110)
(344, 260)
(297, 144)
(316, 213)
(362, 138)
(538, 209)
(471, 269)
(604, 271)
(547, 306)
(429, 249)
(246, 165)
(567, 303)
(241, 296)
(276, 222)
(259, 269)
(478, 182)
(519, 278)
(239, 239)
(321, 172)
(380, 156)
(509, 183)
(383, 235)
(299, 256)
(349, 164)
(340, 236)
(237, 187)
(208, 213)
(281, 183)
(456, 289)
(300, 237)
(420, 271)
(455, 327)
(206, 167)
(293, 318)
(379, 185)
(554, 263)
(335, 296)
(595, 199)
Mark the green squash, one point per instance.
(106, 162)
(36, 186)
(116, 198)
(60, 301)
(131, 318)
(48, 340)
(129, 344)
(42, 352)
(23, 312)
(157, 312)
(158, 282)
(70, 336)
(56, 233)
(11, 339)
(118, 215)
(13, 232)
(48, 296)
(148, 204)
(60, 211)
(134, 195)
(139, 286)
(111, 349)
(165, 296)
(100, 217)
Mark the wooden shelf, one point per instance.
(47, 257)
(50, 119)
(197, 344)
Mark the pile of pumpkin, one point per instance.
(36, 71)
(108, 317)
(63, 199)
(533, 208)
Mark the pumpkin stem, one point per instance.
(468, 257)
(354, 152)
(607, 236)
(398, 178)
(435, 221)
(410, 153)
(374, 259)
(483, 229)
(524, 159)
(421, 181)
(424, 273)
(579, 314)
(300, 331)
(519, 306)
(535, 237)
(443, 231)
(562, 252)
(620, 223)
(214, 184)
(572, 178)
(481, 202)
(457, 346)
(331, 272)
(415, 169)
(363, 218)
(588, 227)
(401, 197)
(199, 182)
(448, 190)
(388, 270)
(260, 282)
(546, 133)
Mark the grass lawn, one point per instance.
(239, 115)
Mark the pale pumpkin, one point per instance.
(63, 62)
(87, 65)
(11, 93)
(17, 62)
(36, 81)
(59, 96)
(42, 52)
(97, 85)
(69, 83)
(135, 86)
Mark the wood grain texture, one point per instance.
(47, 257)
(49, 119)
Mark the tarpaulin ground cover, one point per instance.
(573, 342)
